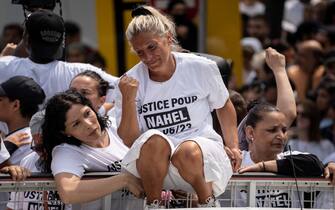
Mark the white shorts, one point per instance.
(217, 167)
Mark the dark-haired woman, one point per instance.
(265, 136)
(266, 131)
(77, 140)
(95, 88)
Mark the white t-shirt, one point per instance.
(181, 106)
(3, 128)
(80, 159)
(23, 150)
(266, 197)
(84, 158)
(257, 8)
(293, 15)
(53, 77)
(4, 154)
(33, 200)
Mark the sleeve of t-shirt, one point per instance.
(6, 73)
(300, 164)
(68, 160)
(4, 154)
(218, 93)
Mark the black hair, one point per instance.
(140, 10)
(331, 34)
(96, 57)
(29, 107)
(328, 85)
(255, 114)
(260, 17)
(268, 84)
(239, 104)
(14, 26)
(103, 85)
(306, 30)
(71, 28)
(280, 46)
(311, 112)
(53, 127)
(329, 13)
(174, 3)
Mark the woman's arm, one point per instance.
(285, 96)
(128, 129)
(228, 123)
(266, 166)
(303, 165)
(329, 172)
(74, 190)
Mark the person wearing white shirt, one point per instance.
(44, 40)
(164, 114)
(78, 140)
(20, 97)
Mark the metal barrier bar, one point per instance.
(251, 183)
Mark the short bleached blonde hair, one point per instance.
(151, 20)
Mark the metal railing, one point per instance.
(249, 190)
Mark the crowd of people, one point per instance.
(153, 126)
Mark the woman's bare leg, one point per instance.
(152, 166)
(189, 162)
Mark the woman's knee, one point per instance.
(156, 145)
(187, 154)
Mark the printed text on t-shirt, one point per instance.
(169, 122)
(166, 104)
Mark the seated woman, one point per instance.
(77, 140)
(265, 132)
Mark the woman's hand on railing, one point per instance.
(17, 173)
(329, 172)
(134, 185)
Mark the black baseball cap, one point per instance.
(23, 88)
(46, 33)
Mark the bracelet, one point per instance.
(263, 164)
